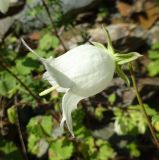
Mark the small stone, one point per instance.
(155, 33)
(126, 37)
(68, 5)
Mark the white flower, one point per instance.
(81, 72)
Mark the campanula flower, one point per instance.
(80, 73)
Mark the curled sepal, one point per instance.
(69, 104)
(109, 41)
(126, 58)
(39, 57)
(122, 75)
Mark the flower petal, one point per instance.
(69, 103)
(52, 81)
(90, 68)
(55, 75)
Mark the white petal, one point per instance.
(52, 81)
(69, 103)
(55, 75)
(90, 68)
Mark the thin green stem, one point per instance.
(53, 25)
(143, 110)
(4, 66)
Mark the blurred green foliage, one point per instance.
(153, 54)
(9, 151)
(40, 125)
(131, 121)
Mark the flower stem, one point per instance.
(20, 131)
(53, 25)
(143, 110)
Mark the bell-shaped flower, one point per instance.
(80, 73)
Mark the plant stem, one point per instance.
(20, 132)
(53, 25)
(4, 66)
(143, 110)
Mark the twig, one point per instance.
(143, 110)
(1, 115)
(4, 66)
(20, 132)
(53, 25)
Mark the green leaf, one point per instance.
(154, 55)
(39, 129)
(126, 58)
(60, 149)
(5, 83)
(150, 111)
(155, 122)
(12, 115)
(82, 132)
(26, 65)
(153, 68)
(133, 149)
(37, 146)
(32, 143)
(155, 46)
(79, 129)
(112, 98)
(78, 116)
(121, 125)
(21, 68)
(99, 112)
(40, 126)
(122, 75)
(131, 121)
(47, 124)
(30, 63)
(9, 151)
(48, 41)
(105, 151)
(33, 126)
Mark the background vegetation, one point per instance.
(108, 125)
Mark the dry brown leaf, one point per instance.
(35, 36)
(151, 15)
(124, 9)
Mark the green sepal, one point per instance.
(126, 58)
(99, 45)
(122, 75)
(109, 41)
